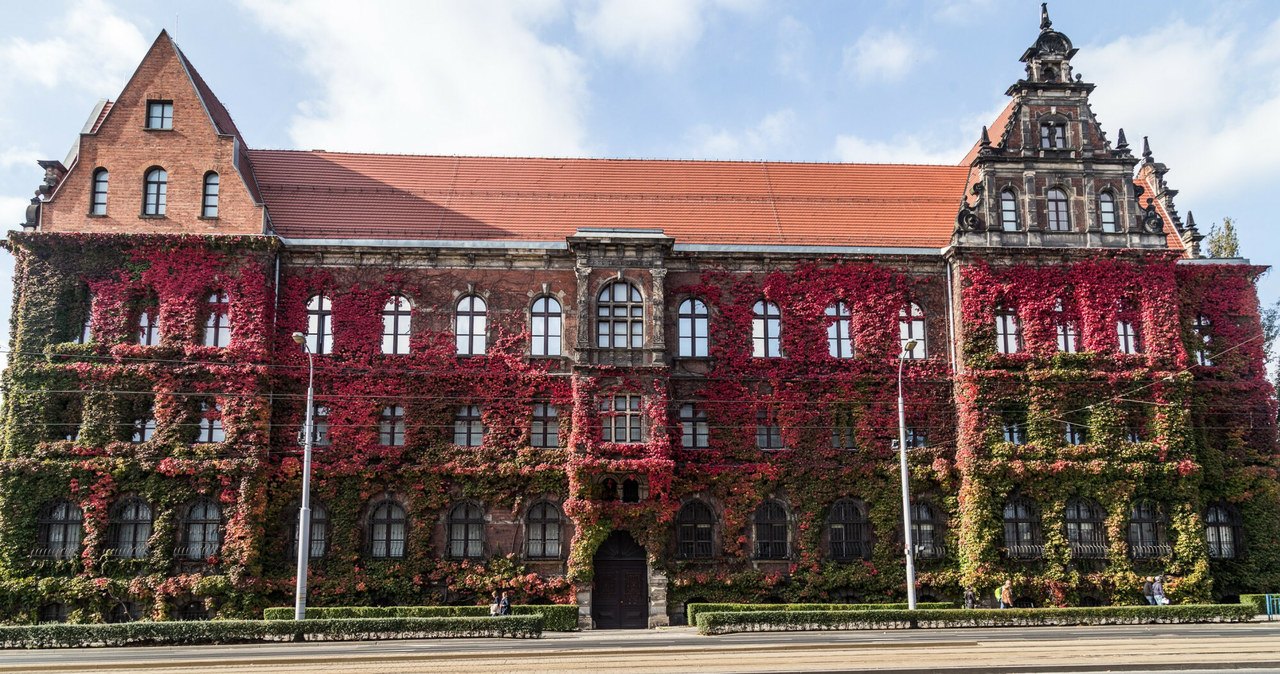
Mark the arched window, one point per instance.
(1008, 331)
(849, 531)
(1146, 530)
(1107, 211)
(695, 525)
(210, 427)
(1008, 210)
(1022, 536)
(60, 530)
(692, 327)
(546, 328)
(1086, 528)
(1059, 219)
(319, 325)
(1127, 338)
(156, 188)
(468, 429)
(620, 317)
(466, 531)
(148, 328)
(395, 325)
(387, 525)
(839, 331)
(98, 197)
(471, 317)
(770, 520)
(129, 529)
(201, 531)
(1066, 328)
(217, 327)
(926, 530)
(766, 330)
(318, 534)
(1222, 531)
(694, 430)
(544, 431)
(391, 426)
(911, 328)
(1201, 326)
(543, 527)
(209, 196)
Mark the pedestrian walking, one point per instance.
(504, 605)
(1157, 591)
(970, 600)
(496, 605)
(1147, 591)
(1006, 594)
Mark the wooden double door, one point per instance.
(620, 595)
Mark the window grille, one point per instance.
(318, 535)
(1086, 529)
(770, 521)
(1022, 537)
(129, 529)
(1223, 531)
(60, 530)
(202, 531)
(926, 530)
(848, 531)
(695, 525)
(1147, 530)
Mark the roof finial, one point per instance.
(1045, 23)
(1146, 148)
(1191, 220)
(1121, 142)
(986, 140)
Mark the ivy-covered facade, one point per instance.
(623, 417)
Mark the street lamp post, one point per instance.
(906, 489)
(304, 512)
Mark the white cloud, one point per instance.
(1209, 101)
(13, 211)
(91, 45)
(649, 32)
(758, 141)
(440, 77)
(947, 146)
(795, 43)
(882, 55)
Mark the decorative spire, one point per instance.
(1045, 23)
(1146, 149)
(986, 140)
(1191, 220)
(1121, 142)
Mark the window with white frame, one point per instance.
(468, 429)
(694, 430)
(620, 418)
(766, 330)
(217, 325)
(620, 317)
(692, 325)
(391, 426)
(546, 327)
(544, 429)
(396, 315)
(1008, 331)
(839, 331)
(472, 326)
(319, 325)
(911, 328)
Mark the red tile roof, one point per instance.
(366, 196)
(1170, 232)
(106, 108)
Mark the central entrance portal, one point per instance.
(620, 595)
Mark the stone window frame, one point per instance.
(471, 325)
(633, 317)
(695, 518)
(540, 326)
(1057, 211)
(1010, 205)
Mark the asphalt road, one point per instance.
(1210, 647)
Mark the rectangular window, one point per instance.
(620, 419)
(1076, 434)
(768, 435)
(1127, 337)
(544, 432)
(1014, 427)
(842, 435)
(1067, 336)
(694, 431)
(468, 429)
(391, 426)
(159, 114)
(1008, 332)
(916, 438)
(1053, 136)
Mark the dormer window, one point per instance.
(1107, 212)
(1008, 211)
(159, 114)
(98, 198)
(1053, 136)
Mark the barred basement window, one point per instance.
(1008, 210)
(620, 317)
(59, 530)
(148, 329)
(543, 526)
(471, 318)
(1086, 528)
(694, 430)
(766, 330)
(1107, 212)
(692, 326)
(125, 612)
(695, 529)
(98, 197)
(1022, 537)
(620, 419)
(1222, 529)
(768, 435)
(155, 191)
(193, 610)
(201, 531)
(839, 338)
(55, 612)
(210, 427)
(546, 328)
(318, 535)
(396, 315)
(1201, 327)
(1147, 530)
(319, 325)
(159, 114)
(387, 525)
(1059, 215)
(848, 531)
(911, 328)
(1066, 329)
(209, 196)
(391, 426)
(544, 431)
(770, 520)
(130, 528)
(217, 327)
(468, 430)
(926, 530)
(1008, 331)
(466, 531)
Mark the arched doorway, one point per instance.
(620, 594)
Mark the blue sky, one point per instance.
(893, 81)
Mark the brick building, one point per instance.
(629, 384)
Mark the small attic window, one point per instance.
(159, 114)
(1053, 136)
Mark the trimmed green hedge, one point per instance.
(556, 617)
(694, 610)
(175, 632)
(770, 621)
(1257, 601)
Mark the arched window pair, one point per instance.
(155, 193)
